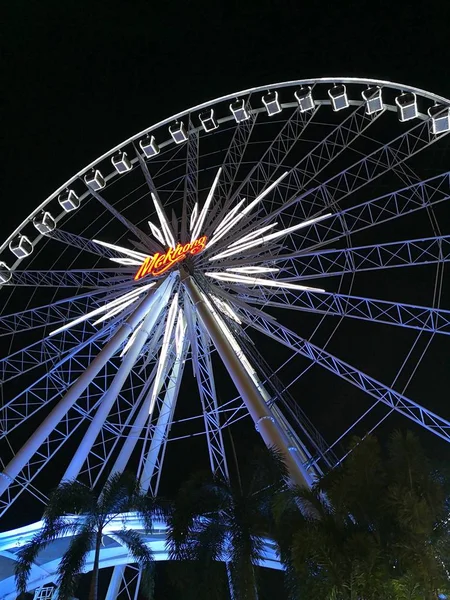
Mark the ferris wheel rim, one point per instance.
(228, 97)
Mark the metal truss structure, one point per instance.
(262, 230)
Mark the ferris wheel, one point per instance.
(264, 232)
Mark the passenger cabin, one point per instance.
(95, 180)
(406, 106)
(372, 98)
(271, 102)
(121, 162)
(149, 146)
(338, 97)
(178, 132)
(21, 246)
(304, 99)
(69, 200)
(239, 111)
(44, 222)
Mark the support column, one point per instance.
(265, 422)
(112, 392)
(33, 444)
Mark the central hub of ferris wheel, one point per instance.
(159, 263)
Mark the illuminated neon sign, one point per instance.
(160, 263)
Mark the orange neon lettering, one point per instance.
(160, 263)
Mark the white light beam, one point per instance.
(164, 350)
(201, 218)
(252, 270)
(133, 294)
(156, 232)
(167, 232)
(246, 210)
(132, 253)
(228, 277)
(267, 238)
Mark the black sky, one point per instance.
(80, 76)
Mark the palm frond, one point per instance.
(27, 555)
(141, 554)
(70, 497)
(118, 494)
(73, 562)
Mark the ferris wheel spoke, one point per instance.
(157, 435)
(140, 235)
(190, 180)
(394, 400)
(269, 162)
(368, 214)
(410, 316)
(54, 313)
(362, 172)
(87, 278)
(115, 429)
(206, 385)
(60, 374)
(37, 439)
(305, 172)
(155, 306)
(47, 351)
(234, 156)
(81, 243)
(322, 263)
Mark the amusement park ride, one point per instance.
(186, 245)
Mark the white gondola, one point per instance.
(121, 162)
(304, 99)
(69, 200)
(338, 97)
(149, 146)
(5, 273)
(407, 106)
(208, 120)
(440, 118)
(21, 246)
(239, 111)
(178, 132)
(95, 180)
(373, 99)
(270, 101)
(44, 222)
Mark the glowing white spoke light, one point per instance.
(220, 232)
(247, 209)
(133, 294)
(113, 312)
(132, 253)
(167, 233)
(193, 216)
(252, 270)
(201, 218)
(267, 238)
(252, 235)
(156, 232)
(228, 217)
(237, 349)
(164, 350)
(130, 341)
(228, 277)
(226, 309)
(127, 262)
(180, 331)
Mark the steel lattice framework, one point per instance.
(262, 230)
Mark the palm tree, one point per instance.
(373, 528)
(216, 519)
(76, 509)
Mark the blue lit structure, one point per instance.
(293, 220)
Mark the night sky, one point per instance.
(79, 77)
